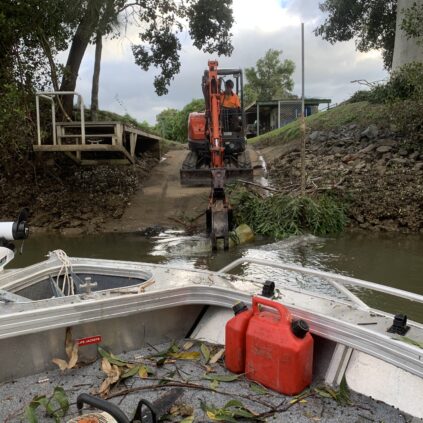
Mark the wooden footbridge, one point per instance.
(92, 143)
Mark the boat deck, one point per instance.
(195, 377)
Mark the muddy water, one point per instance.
(391, 259)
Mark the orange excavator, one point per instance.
(217, 146)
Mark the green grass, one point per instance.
(362, 114)
(280, 216)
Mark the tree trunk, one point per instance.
(406, 49)
(96, 76)
(79, 44)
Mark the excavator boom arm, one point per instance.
(218, 211)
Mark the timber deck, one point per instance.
(108, 142)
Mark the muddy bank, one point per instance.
(70, 198)
(146, 198)
(377, 174)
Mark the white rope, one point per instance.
(68, 286)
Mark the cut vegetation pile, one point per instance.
(281, 215)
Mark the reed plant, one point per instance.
(281, 215)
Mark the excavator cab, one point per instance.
(196, 167)
(232, 119)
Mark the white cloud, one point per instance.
(263, 16)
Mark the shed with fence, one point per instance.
(265, 116)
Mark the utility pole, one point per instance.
(302, 124)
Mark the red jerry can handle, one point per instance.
(281, 309)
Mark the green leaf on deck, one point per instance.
(323, 393)
(185, 355)
(343, 396)
(30, 413)
(131, 372)
(111, 358)
(214, 384)
(221, 378)
(56, 406)
(59, 395)
(258, 389)
(205, 351)
(232, 411)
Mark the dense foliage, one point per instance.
(31, 33)
(403, 93)
(280, 215)
(270, 79)
(412, 24)
(371, 23)
(172, 124)
(403, 84)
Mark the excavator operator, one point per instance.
(228, 98)
(231, 107)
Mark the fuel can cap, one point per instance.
(300, 328)
(239, 308)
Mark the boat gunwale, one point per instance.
(379, 345)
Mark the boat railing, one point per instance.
(336, 280)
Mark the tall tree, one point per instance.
(173, 124)
(107, 23)
(96, 75)
(91, 14)
(167, 124)
(160, 23)
(270, 79)
(371, 22)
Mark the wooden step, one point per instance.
(78, 147)
(86, 135)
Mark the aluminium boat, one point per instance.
(128, 306)
(58, 316)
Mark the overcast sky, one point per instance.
(259, 25)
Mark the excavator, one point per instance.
(217, 144)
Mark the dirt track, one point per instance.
(162, 199)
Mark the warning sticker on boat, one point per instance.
(89, 340)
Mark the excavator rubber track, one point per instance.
(194, 174)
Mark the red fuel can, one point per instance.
(279, 351)
(235, 331)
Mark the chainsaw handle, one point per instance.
(281, 309)
(103, 405)
(138, 417)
